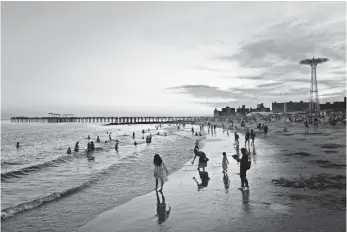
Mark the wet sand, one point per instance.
(295, 185)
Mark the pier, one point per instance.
(110, 120)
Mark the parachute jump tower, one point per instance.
(314, 98)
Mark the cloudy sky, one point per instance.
(166, 58)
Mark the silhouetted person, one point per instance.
(98, 139)
(162, 213)
(88, 137)
(143, 131)
(135, 143)
(77, 147)
(92, 146)
(133, 135)
(244, 166)
(116, 146)
(109, 136)
(17, 145)
(68, 151)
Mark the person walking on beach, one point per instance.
(225, 162)
(315, 124)
(252, 136)
(247, 136)
(244, 166)
(160, 171)
(306, 126)
(202, 159)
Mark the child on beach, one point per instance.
(225, 162)
(159, 168)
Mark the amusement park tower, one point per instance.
(314, 98)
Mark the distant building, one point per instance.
(289, 106)
(243, 111)
(260, 108)
(335, 106)
(225, 112)
(304, 106)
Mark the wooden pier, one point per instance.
(110, 120)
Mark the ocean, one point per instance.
(44, 189)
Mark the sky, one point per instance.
(166, 58)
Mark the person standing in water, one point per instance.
(225, 162)
(77, 147)
(116, 146)
(192, 131)
(160, 171)
(88, 137)
(17, 145)
(133, 135)
(92, 146)
(98, 139)
(68, 151)
(109, 136)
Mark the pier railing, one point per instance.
(111, 120)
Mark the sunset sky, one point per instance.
(166, 58)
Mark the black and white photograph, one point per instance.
(173, 116)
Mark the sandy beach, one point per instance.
(297, 183)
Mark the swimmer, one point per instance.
(68, 151)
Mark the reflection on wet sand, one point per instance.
(254, 154)
(204, 180)
(226, 182)
(245, 200)
(162, 213)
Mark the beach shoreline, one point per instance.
(282, 195)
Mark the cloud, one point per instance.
(202, 91)
(279, 48)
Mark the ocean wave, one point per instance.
(3, 163)
(12, 211)
(37, 167)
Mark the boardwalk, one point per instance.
(110, 120)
